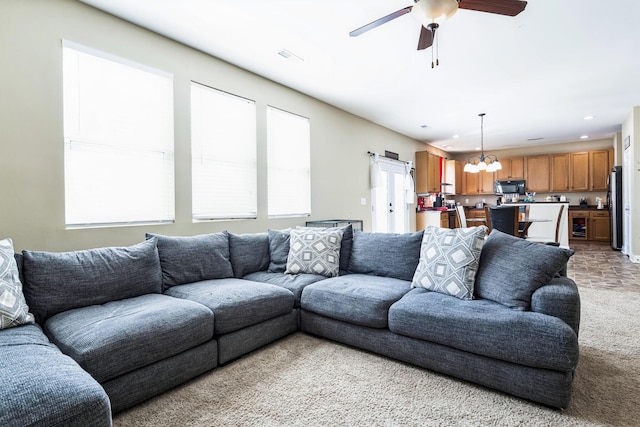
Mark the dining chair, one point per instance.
(550, 239)
(462, 218)
(504, 218)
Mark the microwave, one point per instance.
(515, 186)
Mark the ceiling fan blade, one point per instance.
(378, 22)
(426, 38)
(501, 7)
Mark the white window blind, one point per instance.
(289, 160)
(223, 144)
(118, 132)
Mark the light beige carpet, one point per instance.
(307, 381)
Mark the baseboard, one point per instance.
(634, 258)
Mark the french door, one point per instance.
(390, 212)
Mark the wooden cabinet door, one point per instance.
(560, 172)
(599, 226)
(599, 168)
(579, 170)
(537, 171)
(434, 173)
(486, 180)
(470, 183)
(511, 169)
(517, 168)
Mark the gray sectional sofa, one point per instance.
(116, 326)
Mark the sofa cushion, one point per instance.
(355, 298)
(314, 251)
(449, 260)
(13, 307)
(43, 387)
(55, 282)
(121, 336)
(278, 250)
(511, 269)
(295, 283)
(249, 253)
(237, 303)
(193, 258)
(486, 328)
(385, 254)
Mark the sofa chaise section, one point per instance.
(43, 387)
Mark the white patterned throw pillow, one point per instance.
(315, 251)
(449, 260)
(13, 307)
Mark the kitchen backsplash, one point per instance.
(572, 198)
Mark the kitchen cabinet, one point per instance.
(537, 173)
(427, 173)
(453, 175)
(478, 183)
(560, 165)
(511, 169)
(570, 172)
(579, 171)
(599, 170)
(589, 225)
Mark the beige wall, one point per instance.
(31, 132)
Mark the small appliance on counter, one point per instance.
(583, 202)
(599, 203)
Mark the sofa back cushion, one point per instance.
(193, 258)
(511, 269)
(56, 282)
(385, 254)
(249, 253)
(278, 250)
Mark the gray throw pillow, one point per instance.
(511, 269)
(314, 251)
(56, 282)
(249, 253)
(385, 254)
(194, 258)
(345, 246)
(278, 250)
(449, 260)
(13, 307)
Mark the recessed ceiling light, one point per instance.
(444, 145)
(584, 137)
(477, 148)
(589, 117)
(456, 136)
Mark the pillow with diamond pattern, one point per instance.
(449, 260)
(13, 307)
(314, 251)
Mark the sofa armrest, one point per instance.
(560, 298)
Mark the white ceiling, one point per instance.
(536, 75)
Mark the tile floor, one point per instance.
(596, 265)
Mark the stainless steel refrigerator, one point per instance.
(614, 201)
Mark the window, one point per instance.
(289, 159)
(118, 140)
(223, 147)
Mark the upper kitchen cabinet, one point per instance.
(599, 170)
(537, 172)
(579, 171)
(478, 183)
(427, 173)
(560, 165)
(511, 169)
(453, 175)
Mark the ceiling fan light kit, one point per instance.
(489, 163)
(428, 11)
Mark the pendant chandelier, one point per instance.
(487, 163)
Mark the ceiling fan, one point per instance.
(427, 11)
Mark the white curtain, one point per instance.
(409, 186)
(374, 170)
